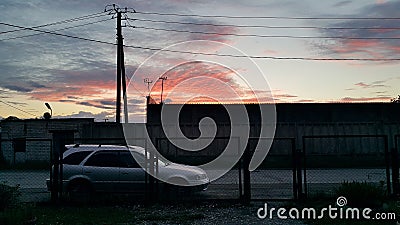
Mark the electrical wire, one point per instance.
(208, 54)
(268, 36)
(65, 28)
(90, 16)
(268, 17)
(263, 57)
(26, 112)
(264, 26)
(58, 34)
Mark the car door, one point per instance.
(103, 170)
(131, 175)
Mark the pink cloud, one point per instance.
(375, 84)
(73, 90)
(194, 75)
(270, 52)
(361, 84)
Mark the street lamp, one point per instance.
(48, 106)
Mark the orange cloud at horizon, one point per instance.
(211, 83)
(76, 90)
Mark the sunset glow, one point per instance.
(78, 77)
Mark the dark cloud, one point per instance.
(377, 84)
(342, 3)
(371, 85)
(95, 104)
(97, 116)
(66, 100)
(383, 9)
(368, 48)
(37, 85)
(304, 101)
(285, 96)
(136, 101)
(18, 88)
(107, 102)
(17, 103)
(380, 98)
(212, 33)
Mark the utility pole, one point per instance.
(163, 78)
(119, 44)
(147, 81)
(121, 78)
(124, 95)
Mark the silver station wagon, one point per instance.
(113, 168)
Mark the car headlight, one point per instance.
(200, 176)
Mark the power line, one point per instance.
(264, 57)
(268, 17)
(264, 26)
(65, 28)
(58, 34)
(268, 36)
(209, 54)
(18, 108)
(90, 16)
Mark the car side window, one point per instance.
(127, 160)
(103, 159)
(76, 158)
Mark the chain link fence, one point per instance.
(322, 164)
(331, 160)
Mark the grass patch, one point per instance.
(9, 196)
(359, 195)
(363, 194)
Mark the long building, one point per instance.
(335, 134)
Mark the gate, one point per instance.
(395, 166)
(279, 177)
(331, 160)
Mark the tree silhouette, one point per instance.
(396, 100)
(46, 116)
(11, 118)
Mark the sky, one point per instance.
(77, 77)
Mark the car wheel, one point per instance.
(177, 191)
(80, 190)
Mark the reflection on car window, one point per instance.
(76, 157)
(103, 159)
(141, 158)
(127, 161)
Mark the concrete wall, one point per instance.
(296, 121)
(293, 121)
(37, 137)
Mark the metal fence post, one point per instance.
(395, 171)
(387, 165)
(246, 176)
(299, 179)
(59, 140)
(55, 171)
(294, 169)
(240, 168)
